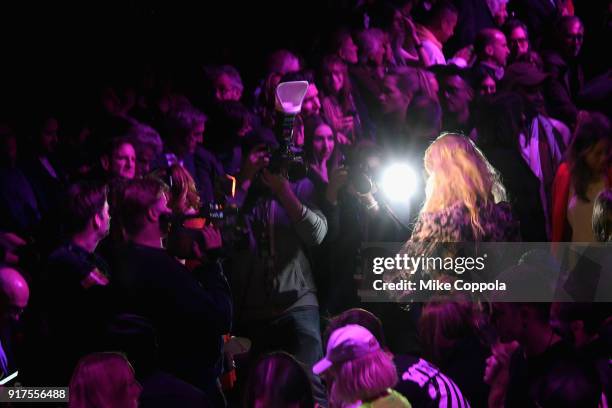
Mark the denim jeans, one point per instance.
(296, 332)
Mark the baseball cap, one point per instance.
(345, 344)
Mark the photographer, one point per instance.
(272, 276)
(189, 310)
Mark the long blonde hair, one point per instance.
(458, 173)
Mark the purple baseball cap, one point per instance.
(347, 343)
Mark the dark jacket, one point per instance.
(562, 89)
(189, 310)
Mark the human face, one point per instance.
(501, 15)
(572, 36)
(534, 98)
(455, 94)
(123, 162)
(500, 49)
(597, 157)
(311, 104)
(103, 220)
(323, 143)
(391, 98)
(487, 86)
(145, 158)
(519, 43)
(48, 135)
(447, 27)
(335, 78)
(348, 50)
(226, 90)
(196, 137)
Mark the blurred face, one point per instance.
(335, 78)
(507, 320)
(392, 99)
(311, 104)
(597, 157)
(572, 37)
(377, 54)
(226, 90)
(487, 86)
(146, 157)
(348, 51)
(447, 26)
(196, 137)
(533, 98)
(455, 94)
(502, 15)
(103, 220)
(9, 149)
(499, 49)
(519, 43)
(123, 162)
(323, 143)
(48, 136)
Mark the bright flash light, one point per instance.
(399, 182)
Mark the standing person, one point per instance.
(272, 277)
(563, 63)
(579, 180)
(492, 52)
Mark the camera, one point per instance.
(287, 159)
(186, 229)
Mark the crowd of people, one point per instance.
(154, 252)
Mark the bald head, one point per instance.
(14, 293)
(490, 45)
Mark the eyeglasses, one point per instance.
(521, 40)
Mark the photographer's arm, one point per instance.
(310, 224)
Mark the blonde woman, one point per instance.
(465, 200)
(360, 372)
(184, 198)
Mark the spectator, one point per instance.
(579, 180)
(319, 149)
(120, 160)
(567, 78)
(77, 281)
(500, 122)
(450, 341)
(499, 11)
(278, 380)
(227, 83)
(148, 145)
(136, 337)
(436, 30)
(419, 380)
(539, 351)
(104, 380)
(518, 38)
(344, 47)
(186, 127)
(492, 52)
(19, 209)
(190, 309)
(545, 140)
(14, 297)
(368, 74)
(359, 370)
(456, 96)
(338, 104)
